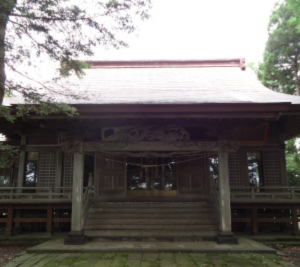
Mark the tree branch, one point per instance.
(67, 19)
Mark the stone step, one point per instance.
(175, 219)
(151, 235)
(150, 222)
(100, 215)
(132, 210)
(150, 227)
(118, 205)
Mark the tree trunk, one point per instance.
(3, 25)
(296, 75)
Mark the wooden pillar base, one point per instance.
(75, 238)
(227, 238)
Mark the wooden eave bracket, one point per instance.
(243, 63)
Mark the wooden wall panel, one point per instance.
(191, 176)
(42, 137)
(112, 177)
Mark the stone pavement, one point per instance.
(148, 260)
(98, 245)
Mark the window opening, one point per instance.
(4, 177)
(31, 169)
(255, 168)
(160, 177)
(214, 168)
(88, 168)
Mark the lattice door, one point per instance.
(68, 170)
(46, 169)
(272, 164)
(235, 161)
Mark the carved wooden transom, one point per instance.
(138, 133)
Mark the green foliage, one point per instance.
(295, 5)
(61, 31)
(293, 163)
(279, 70)
(7, 152)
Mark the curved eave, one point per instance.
(215, 108)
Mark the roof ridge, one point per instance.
(164, 63)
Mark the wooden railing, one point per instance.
(265, 193)
(87, 197)
(35, 194)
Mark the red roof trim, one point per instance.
(235, 62)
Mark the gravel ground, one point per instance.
(292, 254)
(8, 253)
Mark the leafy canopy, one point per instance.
(61, 31)
(280, 68)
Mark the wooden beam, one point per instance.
(61, 220)
(241, 116)
(30, 220)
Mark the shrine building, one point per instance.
(163, 149)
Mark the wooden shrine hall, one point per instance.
(169, 150)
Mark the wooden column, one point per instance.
(147, 178)
(254, 220)
(9, 222)
(295, 220)
(225, 235)
(163, 177)
(58, 183)
(49, 219)
(22, 166)
(76, 236)
(21, 177)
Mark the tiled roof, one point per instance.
(170, 84)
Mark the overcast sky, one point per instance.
(185, 29)
(196, 29)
